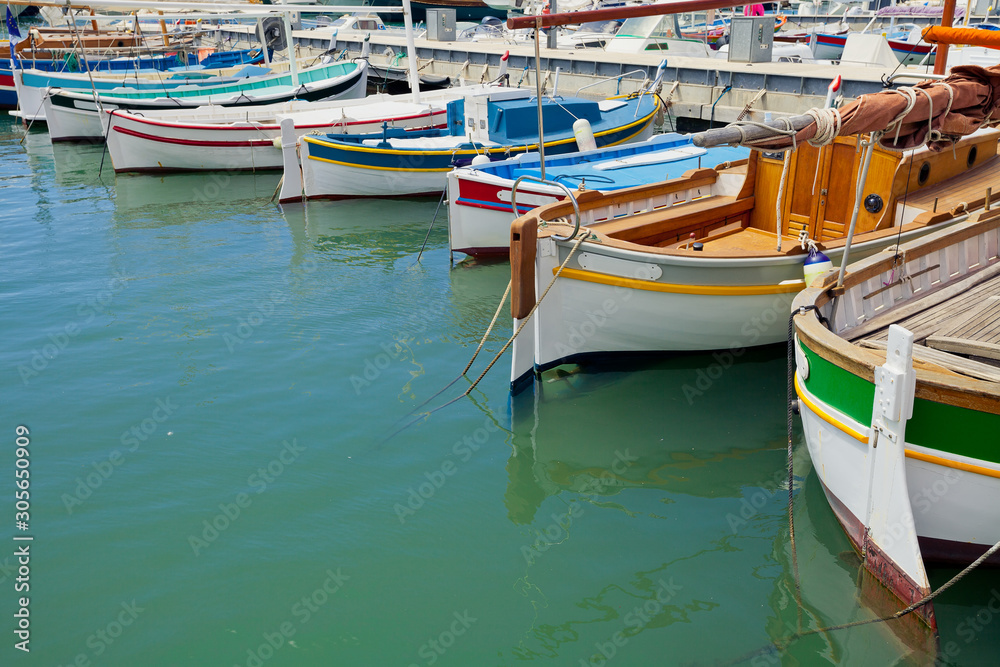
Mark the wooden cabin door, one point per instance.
(821, 194)
(803, 198)
(836, 191)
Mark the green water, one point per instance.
(213, 465)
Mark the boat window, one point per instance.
(367, 25)
(972, 157)
(606, 27)
(925, 172)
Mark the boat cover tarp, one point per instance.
(915, 11)
(956, 106)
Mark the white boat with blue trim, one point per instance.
(479, 197)
(495, 124)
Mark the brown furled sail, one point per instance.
(935, 113)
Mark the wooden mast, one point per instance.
(947, 17)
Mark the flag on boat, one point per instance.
(12, 26)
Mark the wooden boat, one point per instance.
(74, 115)
(30, 83)
(479, 197)
(498, 124)
(694, 263)
(213, 137)
(899, 394)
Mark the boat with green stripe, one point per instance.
(73, 114)
(898, 386)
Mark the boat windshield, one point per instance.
(604, 27)
(647, 26)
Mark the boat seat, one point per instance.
(672, 222)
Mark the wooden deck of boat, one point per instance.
(968, 324)
(949, 194)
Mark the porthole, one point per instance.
(873, 203)
(972, 157)
(924, 174)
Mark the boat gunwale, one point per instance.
(937, 386)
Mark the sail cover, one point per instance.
(936, 113)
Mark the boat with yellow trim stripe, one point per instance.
(699, 262)
(496, 123)
(898, 384)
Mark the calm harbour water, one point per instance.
(211, 382)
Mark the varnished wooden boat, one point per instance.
(694, 263)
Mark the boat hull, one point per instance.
(943, 485)
(646, 302)
(339, 171)
(479, 199)
(141, 144)
(74, 117)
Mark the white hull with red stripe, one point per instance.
(214, 138)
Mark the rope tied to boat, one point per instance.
(780, 646)
(581, 236)
(787, 131)
(828, 123)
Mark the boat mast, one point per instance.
(411, 49)
(538, 93)
(947, 18)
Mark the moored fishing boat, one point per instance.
(479, 197)
(74, 115)
(712, 260)
(496, 124)
(212, 137)
(898, 381)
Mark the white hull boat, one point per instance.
(479, 197)
(693, 263)
(75, 116)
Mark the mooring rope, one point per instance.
(790, 393)
(791, 528)
(581, 237)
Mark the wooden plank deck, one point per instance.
(974, 315)
(964, 323)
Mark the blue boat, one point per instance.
(479, 197)
(498, 124)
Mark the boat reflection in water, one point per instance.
(700, 486)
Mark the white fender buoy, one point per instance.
(481, 159)
(584, 134)
(816, 264)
